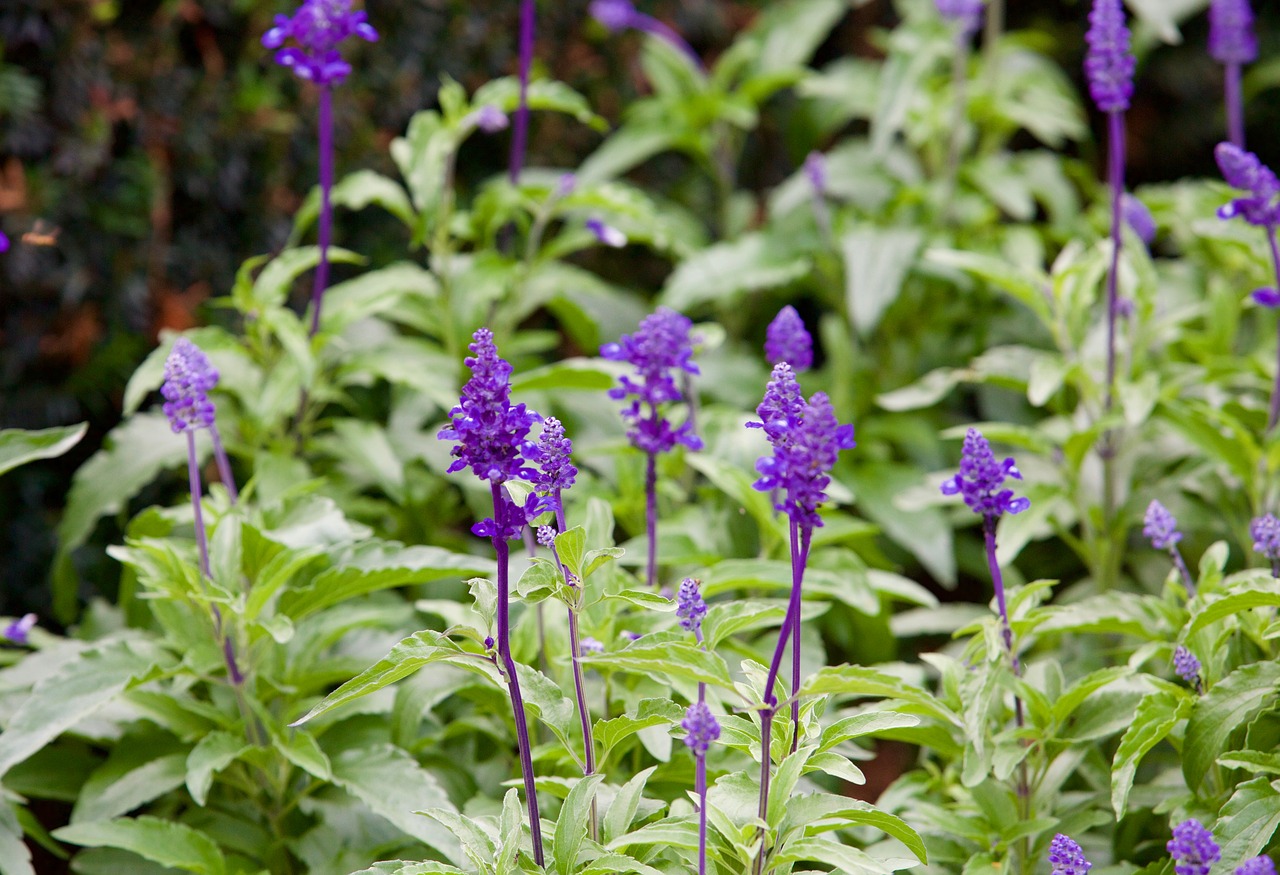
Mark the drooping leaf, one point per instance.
(161, 841)
(19, 446)
(1155, 718)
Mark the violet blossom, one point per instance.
(606, 234)
(787, 340)
(1265, 531)
(690, 607)
(1257, 866)
(1161, 528)
(1186, 666)
(967, 14)
(1193, 849)
(702, 729)
(1066, 856)
(620, 15)
(520, 135)
(18, 631)
(1232, 43)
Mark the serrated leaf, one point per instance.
(1249, 819)
(161, 841)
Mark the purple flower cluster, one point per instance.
(966, 13)
(981, 479)
(17, 632)
(1257, 866)
(1193, 849)
(1109, 64)
(806, 439)
(620, 15)
(188, 379)
(1231, 36)
(1186, 666)
(702, 728)
(787, 340)
(4, 242)
(1066, 856)
(551, 454)
(1160, 526)
(1266, 537)
(661, 346)
(1245, 171)
(690, 607)
(317, 28)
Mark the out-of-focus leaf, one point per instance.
(19, 446)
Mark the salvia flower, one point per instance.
(1160, 526)
(702, 728)
(546, 536)
(491, 432)
(1266, 536)
(981, 479)
(17, 632)
(1257, 866)
(488, 118)
(591, 645)
(966, 13)
(1193, 849)
(1245, 171)
(551, 454)
(188, 379)
(798, 471)
(661, 347)
(787, 340)
(690, 607)
(815, 170)
(317, 28)
(1138, 217)
(1066, 856)
(620, 15)
(1186, 666)
(606, 234)
(1109, 64)
(782, 406)
(1231, 36)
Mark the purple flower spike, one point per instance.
(18, 631)
(1266, 297)
(1186, 666)
(1243, 170)
(551, 454)
(606, 234)
(317, 28)
(1231, 36)
(702, 728)
(1257, 866)
(547, 536)
(798, 472)
(1160, 526)
(1109, 64)
(690, 607)
(966, 13)
(1266, 537)
(1138, 217)
(188, 378)
(787, 340)
(1066, 856)
(981, 478)
(1193, 849)
(661, 346)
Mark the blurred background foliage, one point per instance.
(147, 147)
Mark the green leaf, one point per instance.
(355, 191)
(161, 841)
(543, 95)
(403, 867)
(574, 373)
(723, 271)
(822, 812)
(1155, 718)
(1249, 819)
(19, 446)
(374, 293)
(271, 288)
(570, 547)
(571, 826)
(650, 712)
(860, 681)
(673, 659)
(131, 776)
(75, 691)
(15, 856)
(876, 262)
(789, 33)
(625, 804)
(1229, 704)
(475, 842)
(1031, 289)
(1230, 605)
(212, 754)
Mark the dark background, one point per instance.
(155, 146)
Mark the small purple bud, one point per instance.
(632, 636)
(1186, 666)
(565, 185)
(547, 536)
(1244, 170)
(702, 728)
(606, 234)
(966, 13)
(488, 642)
(4, 242)
(690, 607)
(1193, 849)
(1266, 537)
(981, 478)
(591, 645)
(1266, 297)
(1231, 36)
(1066, 857)
(188, 379)
(551, 454)
(18, 630)
(615, 15)
(1160, 526)
(1109, 64)
(1256, 866)
(489, 119)
(787, 340)
(1138, 217)
(815, 170)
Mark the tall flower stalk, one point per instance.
(1161, 528)
(1233, 44)
(492, 440)
(806, 440)
(661, 348)
(1193, 849)
(702, 729)
(317, 28)
(520, 132)
(1260, 208)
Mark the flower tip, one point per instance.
(1266, 297)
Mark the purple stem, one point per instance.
(1115, 176)
(702, 814)
(520, 130)
(202, 541)
(224, 465)
(1181, 565)
(503, 553)
(1235, 105)
(651, 516)
(1274, 415)
(651, 25)
(806, 534)
(766, 746)
(326, 206)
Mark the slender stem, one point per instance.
(991, 40)
(766, 745)
(531, 547)
(1176, 555)
(701, 781)
(1274, 414)
(651, 516)
(520, 130)
(509, 669)
(797, 576)
(224, 465)
(326, 207)
(997, 581)
(1235, 104)
(959, 105)
(202, 540)
(1115, 176)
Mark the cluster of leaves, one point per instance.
(345, 569)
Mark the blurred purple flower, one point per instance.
(18, 631)
(815, 170)
(619, 15)
(966, 13)
(591, 645)
(1266, 536)
(1244, 170)
(606, 234)
(188, 379)
(1231, 36)
(1257, 866)
(1138, 217)
(702, 728)
(4, 242)
(1193, 849)
(1066, 857)
(690, 607)
(787, 340)
(981, 478)
(1186, 666)
(317, 28)
(1266, 297)
(1160, 526)
(659, 348)
(488, 118)
(1109, 64)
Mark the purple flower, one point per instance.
(815, 170)
(981, 478)
(512, 517)
(492, 434)
(551, 455)
(317, 28)
(1138, 217)
(806, 439)
(966, 13)
(1193, 849)
(619, 15)
(4, 242)
(1257, 866)
(590, 645)
(786, 340)
(1186, 666)
(17, 631)
(1066, 857)
(488, 118)
(660, 346)
(1160, 526)
(632, 636)
(690, 607)
(606, 234)
(1231, 36)
(188, 378)
(1109, 64)
(1266, 536)
(546, 536)
(1243, 170)
(702, 728)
